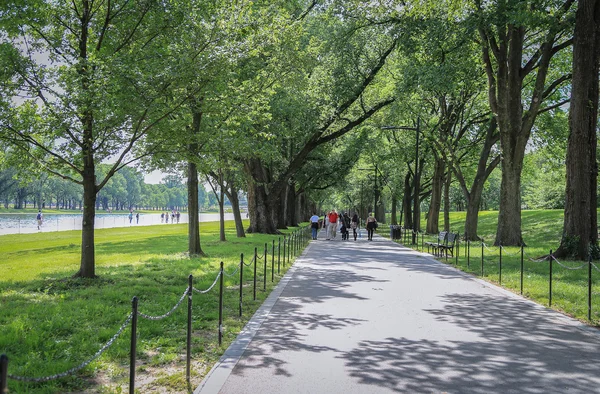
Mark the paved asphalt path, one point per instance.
(375, 317)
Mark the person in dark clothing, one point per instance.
(355, 224)
(343, 229)
(371, 226)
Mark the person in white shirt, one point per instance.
(314, 225)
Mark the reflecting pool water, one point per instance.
(27, 223)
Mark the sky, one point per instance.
(154, 177)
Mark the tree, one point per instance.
(97, 77)
(580, 229)
(340, 90)
(518, 41)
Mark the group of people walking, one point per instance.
(175, 215)
(332, 222)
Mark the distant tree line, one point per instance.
(126, 190)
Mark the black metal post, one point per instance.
(521, 269)
(221, 306)
(500, 267)
(273, 262)
(255, 257)
(279, 257)
(457, 247)
(590, 288)
(468, 254)
(132, 349)
(265, 270)
(241, 281)
(4, 374)
(482, 258)
(550, 284)
(284, 242)
(188, 355)
(289, 251)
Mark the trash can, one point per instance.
(395, 231)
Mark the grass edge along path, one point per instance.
(52, 322)
(541, 232)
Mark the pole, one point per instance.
(284, 242)
(273, 262)
(468, 253)
(550, 284)
(361, 200)
(457, 247)
(255, 257)
(375, 194)
(221, 305)
(521, 269)
(188, 358)
(132, 349)
(241, 281)
(416, 203)
(279, 256)
(3, 374)
(590, 287)
(482, 258)
(500, 268)
(265, 270)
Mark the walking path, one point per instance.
(376, 317)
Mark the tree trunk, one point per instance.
(221, 210)
(437, 182)
(417, 198)
(299, 208)
(509, 214)
(580, 228)
(472, 218)
(380, 210)
(194, 248)
(233, 197)
(262, 219)
(406, 202)
(281, 218)
(290, 206)
(394, 209)
(88, 264)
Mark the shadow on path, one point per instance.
(522, 349)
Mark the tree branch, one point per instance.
(551, 107)
(554, 84)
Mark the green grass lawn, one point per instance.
(51, 322)
(541, 232)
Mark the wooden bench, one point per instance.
(448, 245)
(437, 244)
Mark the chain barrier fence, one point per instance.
(169, 312)
(80, 366)
(294, 242)
(403, 234)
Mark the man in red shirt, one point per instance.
(333, 218)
